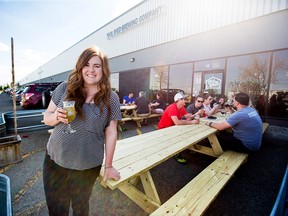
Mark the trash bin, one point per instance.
(5, 196)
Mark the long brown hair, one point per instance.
(75, 88)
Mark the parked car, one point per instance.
(32, 94)
(18, 95)
(47, 94)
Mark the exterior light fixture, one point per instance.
(132, 59)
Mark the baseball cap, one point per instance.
(179, 96)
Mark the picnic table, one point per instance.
(135, 156)
(133, 116)
(125, 111)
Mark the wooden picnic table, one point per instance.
(126, 116)
(135, 156)
(126, 108)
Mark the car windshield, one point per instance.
(26, 89)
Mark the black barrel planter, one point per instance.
(27, 120)
(2, 125)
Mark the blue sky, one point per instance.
(42, 29)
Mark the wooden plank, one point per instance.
(197, 195)
(215, 145)
(203, 150)
(156, 144)
(265, 126)
(142, 200)
(146, 117)
(126, 119)
(149, 186)
(139, 119)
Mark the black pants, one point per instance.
(229, 142)
(63, 186)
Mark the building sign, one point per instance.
(213, 83)
(134, 22)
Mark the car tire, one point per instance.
(45, 99)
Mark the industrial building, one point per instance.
(219, 46)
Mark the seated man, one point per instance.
(128, 100)
(142, 104)
(246, 125)
(196, 108)
(173, 115)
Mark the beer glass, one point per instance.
(69, 106)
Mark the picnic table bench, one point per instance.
(197, 195)
(135, 156)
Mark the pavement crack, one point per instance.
(29, 183)
(31, 211)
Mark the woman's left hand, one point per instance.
(111, 172)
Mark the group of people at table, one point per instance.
(243, 119)
(143, 106)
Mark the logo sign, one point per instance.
(213, 83)
(134, 22)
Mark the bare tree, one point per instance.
(253, 78)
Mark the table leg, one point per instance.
(215, 145)
(215, 150)
(149, 201)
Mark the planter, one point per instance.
(10, 150)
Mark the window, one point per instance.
(180, 77)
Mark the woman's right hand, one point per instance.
(111, 172)
(61, 115)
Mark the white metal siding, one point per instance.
(176, 19)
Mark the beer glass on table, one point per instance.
(69, 106)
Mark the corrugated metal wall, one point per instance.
(156, 22)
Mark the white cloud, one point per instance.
(124, 5)
(4, 47)
(29, 60)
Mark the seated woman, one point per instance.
(158, 105)
(207, 105)
(221, 104)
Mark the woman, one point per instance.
(158, 105)
(207, 105)
(73, 161)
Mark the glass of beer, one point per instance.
(69, 106)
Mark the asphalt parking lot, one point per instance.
(252, 191)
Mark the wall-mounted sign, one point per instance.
(132, 23)
(213, 83)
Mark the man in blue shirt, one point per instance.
(128, 100)
(246, 125)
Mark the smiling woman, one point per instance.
(79, 156)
